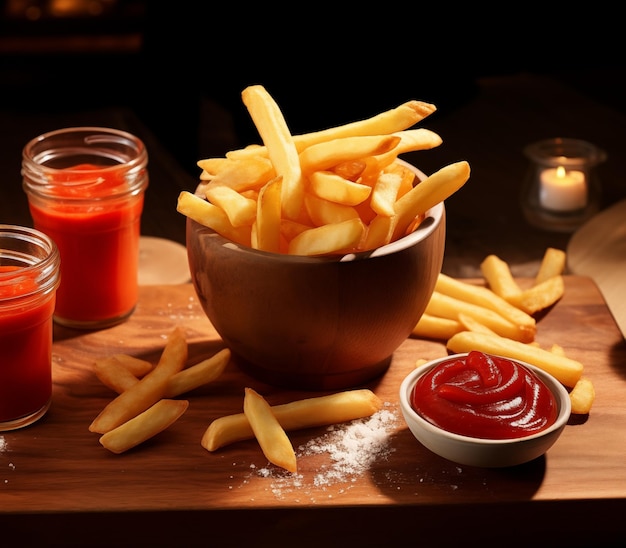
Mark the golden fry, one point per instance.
(197, 375)
(552, 264)
(239, 209)
(306, 413)
(241, 175)
(212, 216)
(144, 426)
(114, 375)
(540, 296)
(333, 187)
(323, 212)
(281, 148)
(428, 193)
(137, 366)
(582, 396)
(325, 155)
(379, 233)
(329, 238)
(267, 222)
(385, 193)
(499, 277)
(271, 436)
(470, 323)
(436, 327)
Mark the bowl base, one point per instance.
(294, 381)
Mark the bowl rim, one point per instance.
(555, 386)
(433, 218)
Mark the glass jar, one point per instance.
(85, 189)
(29, 278)
(561, 190)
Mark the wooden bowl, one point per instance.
(316, 323)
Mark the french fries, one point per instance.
(148, 390)
(307, 413)
(498, 318)
(483, 296)
(327, 178)
(273, 440)
(450, 307)
(146, 406)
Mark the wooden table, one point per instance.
(58, 484)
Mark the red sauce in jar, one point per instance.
(26, 347)
(99, 243)
(484, 396)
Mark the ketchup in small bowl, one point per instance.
(484, 410)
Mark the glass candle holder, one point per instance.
(561, 189)
(85, 189)
(29, 277)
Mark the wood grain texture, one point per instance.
(57, 467)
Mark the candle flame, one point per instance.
(560, 172)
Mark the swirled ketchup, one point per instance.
(484, 396)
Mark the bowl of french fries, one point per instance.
(511, 430)
(315, 255)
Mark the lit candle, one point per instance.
(563, 190)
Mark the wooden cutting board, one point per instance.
(598, 250)
(56, 479)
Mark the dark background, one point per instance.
(172, 73)
(323, 65)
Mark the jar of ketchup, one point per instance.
(29, 278)
(85, 189)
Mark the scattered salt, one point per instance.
(352, 448)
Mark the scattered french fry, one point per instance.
(144, 426)
(582, 396)
(271, 436)
(552, 264)
(114, 375)
(305, 413)
(564, 369)
(499, 277)
(148, 390)
(430, 326)
(470, 323)
(198, 374)
(540, 296)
